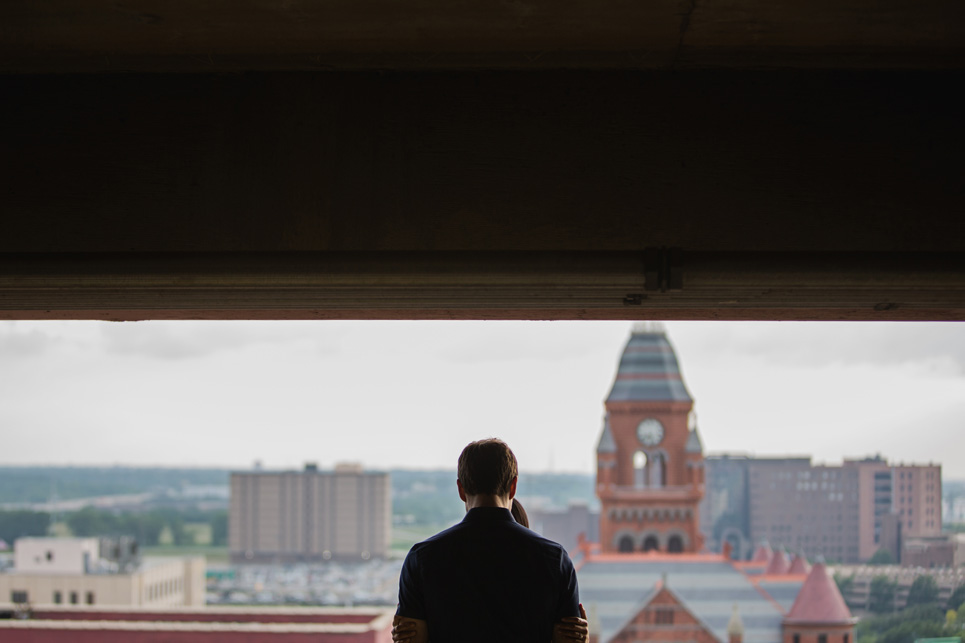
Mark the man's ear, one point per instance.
(462, 492)
(512, 487)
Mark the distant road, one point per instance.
(101, 502)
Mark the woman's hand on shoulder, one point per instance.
(572, 628)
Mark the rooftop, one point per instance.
(709, 586)
(648, 371)
(819, 600)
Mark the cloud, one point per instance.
(16, 342)
(197, 340)
(931, 348)
(414, 393)
(487, 342)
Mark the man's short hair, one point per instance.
(487, 467)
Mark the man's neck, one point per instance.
(486, 500)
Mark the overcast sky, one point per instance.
(412, 394)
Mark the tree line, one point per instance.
(912, 624)
(38, 484)
(147, 526)
(883, 591)
(924, 616)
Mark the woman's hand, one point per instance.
(405, 630)
(572, 628)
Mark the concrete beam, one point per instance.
(482, 162)
(482, 286)
(59, 36)
(806, 195)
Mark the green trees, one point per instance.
(957, 598)
(36, 484)
(147, 527)
(923, 591)
(92, 522)
(17, 523)
(907, 626)
(881, 595)
(219, 529)
(882, 557)
(910, 631)
(844, 583)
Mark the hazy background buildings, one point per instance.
(285, 517)
(844, 513)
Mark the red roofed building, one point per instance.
(664, 617)
(779, 564)
(650, 469)
(200, 625)
(799, 565)
(819, 613)
(649, 578)
(763, 553)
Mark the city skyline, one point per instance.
(411, 394)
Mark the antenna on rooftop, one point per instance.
(649, 327)
(53, 504)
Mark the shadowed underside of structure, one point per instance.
(531, 160)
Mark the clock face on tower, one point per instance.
(650, 432)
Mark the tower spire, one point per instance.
(649, 461)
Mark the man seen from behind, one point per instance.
(488, 578)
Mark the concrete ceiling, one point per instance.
(428, 159)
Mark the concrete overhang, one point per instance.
(61, 36)
(574, 159)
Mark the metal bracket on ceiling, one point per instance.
(663, 269)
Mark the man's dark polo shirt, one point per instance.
(488, 579)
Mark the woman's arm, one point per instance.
(572, 629)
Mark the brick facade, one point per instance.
(656, 510)
(217, 625)
(664, 618)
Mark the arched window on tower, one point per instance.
(675, 545)
(650, 543)
(639, 469)
(658, 470)
(625, 544)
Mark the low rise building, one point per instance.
(947, 550)
(706, 598)
(858, 592)
(84, 572)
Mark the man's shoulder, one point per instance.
(551, 549)
(541, 539)
(468, 532)
(479, 533)
(442, 536)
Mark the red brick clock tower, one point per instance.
(650, 463)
